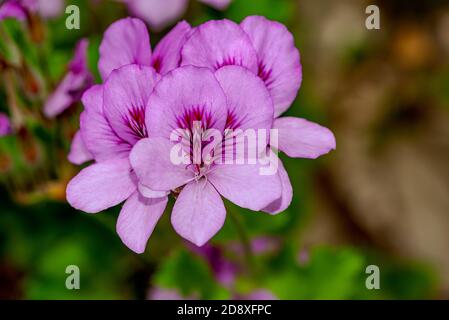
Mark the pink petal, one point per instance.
(78, 152)
(157, 293)
(178, 93)
(150, 159)
(300, 138)
(284, 201)
(249, 102)
(12, 9)
(149, 193)
(245, 186)
(62, 97)
(218, 43)
(137, 220)
(167, 55)
(74, 83)
(158, 13)
(79, 62)
(126, 94)
(279, 63)
(50, 8)
(98, 136)
(101, 186)
(217, 4)
(198, 213)
(261, 294)
(5, 125)
(126, 41)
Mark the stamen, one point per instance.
(136, 122)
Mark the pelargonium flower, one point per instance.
(114, 120)
(20, 9)
(231, 98)
(127, 41)
(267, 49)
(5, 125)
(224, 270)
(73, 85)
(160, 13)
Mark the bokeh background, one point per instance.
(381, 198)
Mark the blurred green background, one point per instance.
(381, 198)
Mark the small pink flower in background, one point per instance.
(226, 270)
(264, 245)
(303, 257)
(260, 294)
(223, 269)
(167, 294)
(161, 13)
(158, 293)
(50, 8)
(73, 85)
(267, 49)
(5, 125)
(231, 98)
(13, 9)
(20, 9)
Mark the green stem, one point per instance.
(244, 239)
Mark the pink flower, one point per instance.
(267, 49)
(5, 125)
(231, 79)
(158, 293)
(233, 98)
(73, 85)
(161, 13)
(13, 9)
(20, 9)
(113, 121)
(127, 41)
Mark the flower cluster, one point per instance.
(219, 76)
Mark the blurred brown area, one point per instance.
(386, 94)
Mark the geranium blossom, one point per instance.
(190, 94)
(5, 125)
(114, 120)
(127, 41)
(267, 49)
(234, 77)
(73, 85)
(160, 13)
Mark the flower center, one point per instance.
(195, 121)
(136, 122)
